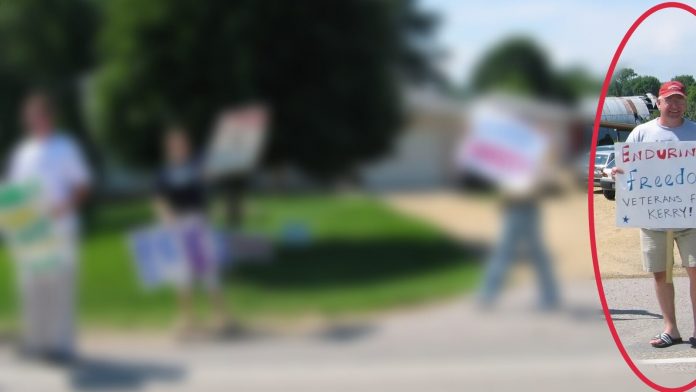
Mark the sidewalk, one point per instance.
(448, 347)
(637, 318)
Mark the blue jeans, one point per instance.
(521, 231)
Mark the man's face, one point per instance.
(37, 116)
(672, 107)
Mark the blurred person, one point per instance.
(56, 163)
(521, 229)
(181, 197)
(670, 126)
(510, 143)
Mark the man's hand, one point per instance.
(616, 170)
(69, 206)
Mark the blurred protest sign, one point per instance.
(30, 234)
(238, 137)
(503, 145)
(658, 187)
(172, 254)
(159, 257)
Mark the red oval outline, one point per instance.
(590, 195)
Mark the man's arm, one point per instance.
(78, 176)
(79, 194)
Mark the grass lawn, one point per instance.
(363, 257)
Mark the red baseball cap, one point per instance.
(671, 88)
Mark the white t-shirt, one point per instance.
(57, 164)
(652, 131)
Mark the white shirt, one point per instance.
(652, 131)
(57, 164)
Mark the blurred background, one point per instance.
(363, 233)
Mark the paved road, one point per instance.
(636, 313)
(449, 347)
(453, 346)
(637, 317)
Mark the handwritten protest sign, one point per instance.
(29, 232)
(658, 187)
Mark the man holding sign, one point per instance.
(55, 165)
(643, 187)
(509, 142)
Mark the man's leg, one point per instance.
(503, 255)
(686, 242)
(691, 271)
(665, 297)
(33, 324)
(60, 299)
(60, 308)
(211, 280)
(654, 247)
(186, 320)
(540, 260)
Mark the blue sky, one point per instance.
(584, 33)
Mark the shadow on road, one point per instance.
(101, 374)
(346, 333)
(633, 312)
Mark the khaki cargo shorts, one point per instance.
(653, 243)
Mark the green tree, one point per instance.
(518, 65)
(44, 43)
(580, 82)
(330, 72)
(619, 85)
(691, 102)
(686, 80)
(640, 85)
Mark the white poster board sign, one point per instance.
(28, 230)
(238, 138)
(160, 257)
(176, 253)
(503, 147)
(658, 187)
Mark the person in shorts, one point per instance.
(669, 127)
(181, 200)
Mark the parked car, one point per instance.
(602, 158)
(608, 183)
(603, 155)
